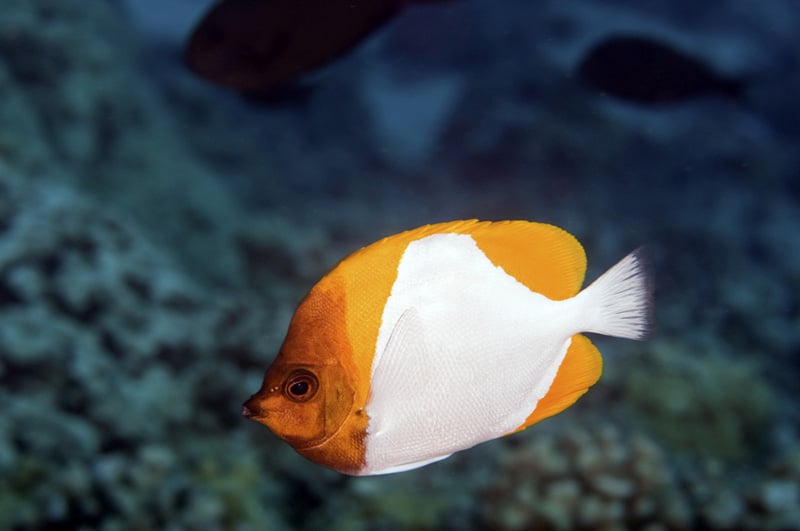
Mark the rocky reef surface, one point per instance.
(116, 368)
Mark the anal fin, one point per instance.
(580, 370)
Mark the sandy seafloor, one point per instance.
(156, 234)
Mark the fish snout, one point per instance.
(251, 409)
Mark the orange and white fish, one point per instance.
(439, 338)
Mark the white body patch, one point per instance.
(464, 354)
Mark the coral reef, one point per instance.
(121, 370)
(602, 478)
(696, 404)
(83, 113)
(585, 479)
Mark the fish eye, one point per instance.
(300, 386)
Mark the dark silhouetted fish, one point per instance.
(643, 70)
(253, 45)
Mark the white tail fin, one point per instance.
(620, 301)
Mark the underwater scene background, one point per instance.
(157, 232)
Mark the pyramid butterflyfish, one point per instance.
(436, 339)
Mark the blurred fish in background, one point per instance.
(645, 70)
(255, 45)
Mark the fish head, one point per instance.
(309, 391)
(303, 404)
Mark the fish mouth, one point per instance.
(251, 410)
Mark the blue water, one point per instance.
(157, 232)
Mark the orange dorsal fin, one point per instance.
(580, 370)
(547, 259)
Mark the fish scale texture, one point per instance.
(454, 374)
